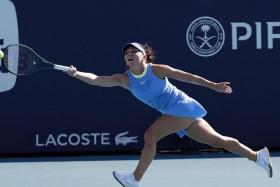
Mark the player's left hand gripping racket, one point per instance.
(22, 60)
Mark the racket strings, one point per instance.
(26, 61)
(21, 60)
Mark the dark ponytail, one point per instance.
(150, 53)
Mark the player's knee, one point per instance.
(150, 137)
(233, 141)
(217, 143)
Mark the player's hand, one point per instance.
(222, 87)
(72, 71)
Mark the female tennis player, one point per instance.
(149, 83)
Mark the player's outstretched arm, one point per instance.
(104, 81)
(167, 71)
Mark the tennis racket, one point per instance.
(20, 59)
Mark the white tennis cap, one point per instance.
(136, 45)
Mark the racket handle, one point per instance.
(61, 68)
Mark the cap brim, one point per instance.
(135, 45)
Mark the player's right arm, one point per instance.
(119, 79)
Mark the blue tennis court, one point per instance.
(196, 170)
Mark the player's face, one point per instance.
(133, 56)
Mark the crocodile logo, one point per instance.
(121, 138)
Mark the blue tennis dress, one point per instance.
(164, 97)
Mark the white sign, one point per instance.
(8, 35)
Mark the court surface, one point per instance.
(176, 170)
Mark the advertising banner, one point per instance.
(51, 112)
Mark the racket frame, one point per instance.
(48, 64)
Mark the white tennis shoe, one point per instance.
(127, 180)
(264, 161)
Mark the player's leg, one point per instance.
(162, 127)
(202, 132)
